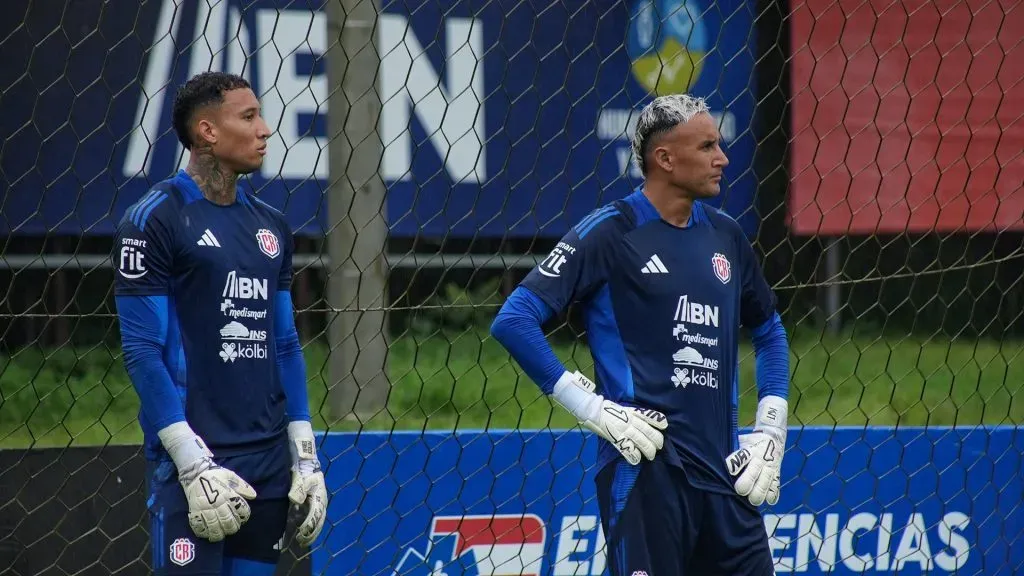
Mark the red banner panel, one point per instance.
(907, 116)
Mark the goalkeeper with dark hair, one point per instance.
(203, 280)
(666, 282)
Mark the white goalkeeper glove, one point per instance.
(307, 481)
(216, 496)
(758, 462)
(635, 432)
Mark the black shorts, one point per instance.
(656, 523)
(177, 550)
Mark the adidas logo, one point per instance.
(654, 266)
(208, 239)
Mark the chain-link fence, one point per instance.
(429, 153)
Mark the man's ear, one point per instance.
(206, 133)
(662, 158)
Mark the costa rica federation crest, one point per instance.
(182, 551)
(723, 270)
(268, 243)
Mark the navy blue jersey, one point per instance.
(663, 307)
(220, 268)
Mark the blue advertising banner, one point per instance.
(498, 118)
(854, 501)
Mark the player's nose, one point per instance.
(262, 130)
(723, 160)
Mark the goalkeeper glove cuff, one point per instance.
(302, 445)
(183, 445)
(302, 442)
(772, 417)
(577, 395)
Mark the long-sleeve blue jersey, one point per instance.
(663, 307)
(203, 299)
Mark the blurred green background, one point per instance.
(463, 379)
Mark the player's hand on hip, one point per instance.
(757, 464)
(635, 432)
(216, 497)
(308, 485)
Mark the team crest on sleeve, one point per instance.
(183, 551)
(268, 243)
(723, 270)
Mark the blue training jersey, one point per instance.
(663, 307)
(220, 268)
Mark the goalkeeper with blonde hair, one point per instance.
(666, 282)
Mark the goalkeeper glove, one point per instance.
(216, 496)
(635, 432)
(758, 462)
(307, 481)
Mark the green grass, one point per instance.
(467, 381)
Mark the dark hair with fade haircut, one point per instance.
(658, 117)
(201, 90)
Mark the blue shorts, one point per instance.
(177, 550)
(656, 523)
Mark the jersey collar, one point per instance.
(645, 211)
(188, 187)
(642, 207)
